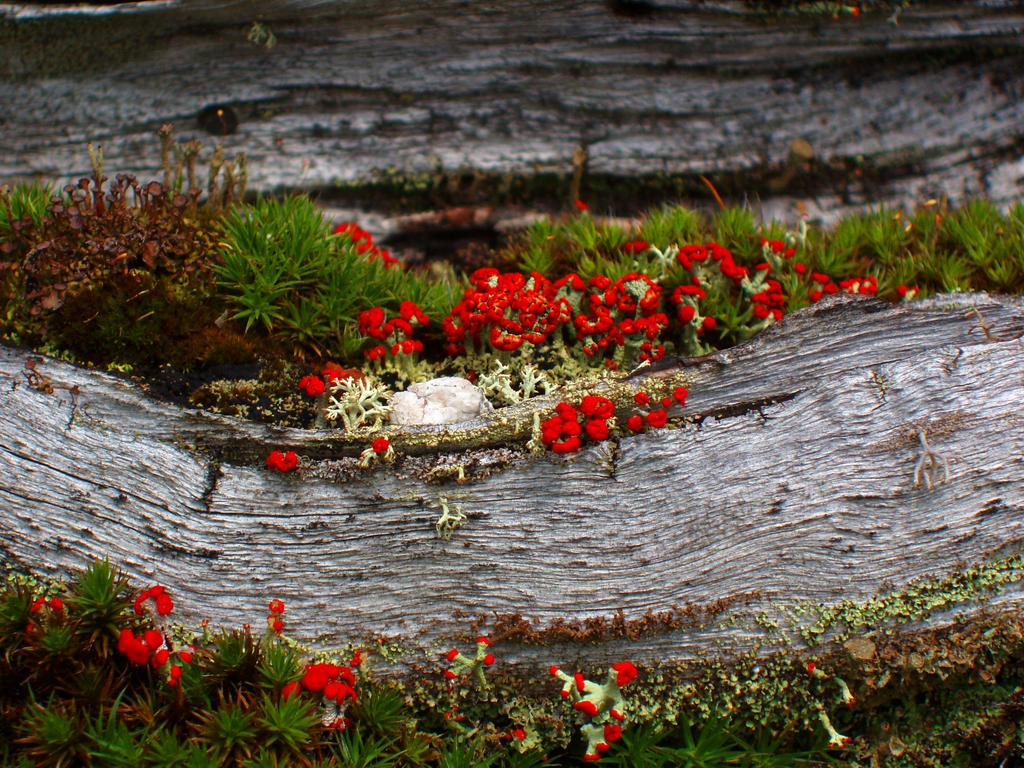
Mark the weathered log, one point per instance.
(794, 478)
(893, 109)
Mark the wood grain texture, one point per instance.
(791, 481)
(896, 110)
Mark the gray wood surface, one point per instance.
(895, 109)
(790, 482)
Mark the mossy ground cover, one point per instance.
(142, 278)
(96, 672)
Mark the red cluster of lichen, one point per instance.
(654, 417)
(686, 297)
(162, 602)
(505, 310)
(626, 312)
(334, 685)
(593, 419)
(565, 433)
(396, 333)
(152, 646)
(363, 242)
(771, 301)
(333, 682)
(275, 610)
(55, 604)
(279, 461)
(613, 322)
(314, 386)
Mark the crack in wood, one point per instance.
(992, 507)
(213, 474)
(748, 406)
(514, 627)
(159, 542)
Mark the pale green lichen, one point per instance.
(474, 665)
(443, 472)
(452, 517)
(358, 404)
(914, 602)
(497, 384)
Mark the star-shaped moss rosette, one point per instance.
(475, 665)
(603, 705)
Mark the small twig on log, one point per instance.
(928, 465)
(986, 328)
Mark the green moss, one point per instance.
(947, 696)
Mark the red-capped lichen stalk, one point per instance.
(602, 705)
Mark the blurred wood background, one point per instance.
(791, 112)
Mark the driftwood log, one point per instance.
(795, 476)
(775, 108)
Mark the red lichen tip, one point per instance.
(588, 708)
(282, 462)
(626, 673)
(657, 418)
(313, 386)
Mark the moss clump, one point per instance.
(141, 277)
(946, 696)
